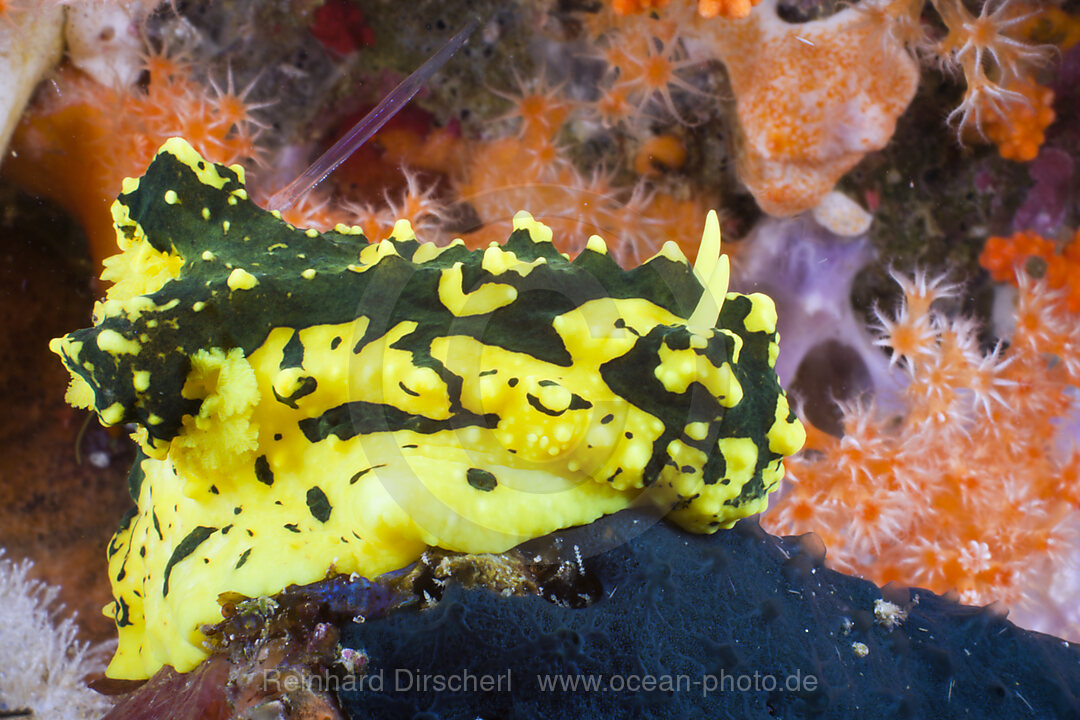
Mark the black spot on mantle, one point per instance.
(481, 479)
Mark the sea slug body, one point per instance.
(310, 403)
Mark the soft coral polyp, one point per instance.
(972, 489)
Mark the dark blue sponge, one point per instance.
(739, 624)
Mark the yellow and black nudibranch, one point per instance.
(313, 402)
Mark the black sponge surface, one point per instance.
(739, 624)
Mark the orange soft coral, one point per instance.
(1017, 126)
(1038, 257)
(811, 99)
(629, 7)
(648, 70)
(646, 58)
(660, 153)
(507, 174)
(706, 8)
(529, 168)
(970, 488)
(419, 203)
(539, 110)
(988, 50)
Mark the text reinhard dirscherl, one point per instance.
(384, 680)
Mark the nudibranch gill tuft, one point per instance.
(310, 403)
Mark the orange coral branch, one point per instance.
(969, 489)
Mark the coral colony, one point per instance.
(501, 320)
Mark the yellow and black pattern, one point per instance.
(309, 403)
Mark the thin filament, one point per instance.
(362, 131)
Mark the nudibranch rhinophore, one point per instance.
(308, 403)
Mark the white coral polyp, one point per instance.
(43, 665)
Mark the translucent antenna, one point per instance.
(362, 131)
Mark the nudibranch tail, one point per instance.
(713, 271)
(313, 402)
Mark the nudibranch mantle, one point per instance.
(308, 403)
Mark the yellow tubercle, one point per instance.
(241, 279)
(403, 231)
(114, 343)
(112, 415)
(480, 301)
(762, 317)
(537, 230)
